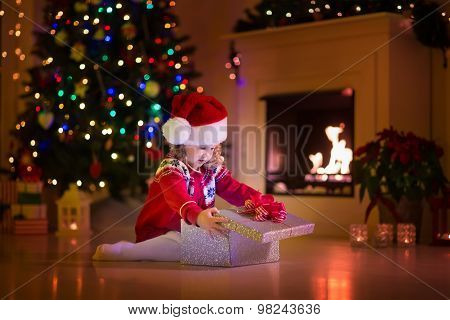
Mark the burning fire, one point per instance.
(340, 156)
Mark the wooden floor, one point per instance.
(37, 267)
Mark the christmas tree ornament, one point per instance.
(162, 67)
(26, 158)
(61, 38)
(28, 171)
(108, 144)
(95, 169)
(152, 89)
(108, 104)
(78, 51)
(80, 7)
(80, 89)
(99, 34)
(45, 119)
(128, 31)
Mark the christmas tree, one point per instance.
(96, 103)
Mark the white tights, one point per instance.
(163, 248)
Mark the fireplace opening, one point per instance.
(309, 143)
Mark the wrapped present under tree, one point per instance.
(248, 241)
(22, 209)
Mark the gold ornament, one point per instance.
(80, 89)
(99, 34)
(152, 89)
(61, 37)
(108, 144)
(128, 31)
(45, 119)
(26, 158)
(78, 51)
(81, 7)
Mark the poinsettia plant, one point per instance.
(396, 165)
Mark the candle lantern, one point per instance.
(384, 235)
(74, 212)
(358, 235)
(406, 235)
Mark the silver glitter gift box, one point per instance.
(247, 241)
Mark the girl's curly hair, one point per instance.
(179, 152)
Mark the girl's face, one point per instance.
(199, 155)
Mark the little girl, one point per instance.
(185, 183)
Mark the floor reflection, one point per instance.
(309, 268)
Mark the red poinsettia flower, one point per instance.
(404, 158)
(399, 164)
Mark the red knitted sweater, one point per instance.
(180, 192)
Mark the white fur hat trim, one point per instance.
(176, 130)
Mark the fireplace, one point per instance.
(309, 143)
(390, 80)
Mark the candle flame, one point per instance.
(73, 226)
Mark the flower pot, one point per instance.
(409, 211)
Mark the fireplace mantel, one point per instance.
(357, 26)
(374, 54)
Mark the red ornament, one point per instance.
(30, 172)
(95, 169)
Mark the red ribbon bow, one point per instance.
(265, 208)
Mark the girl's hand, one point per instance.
(208, 222)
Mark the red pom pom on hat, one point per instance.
(196, 120)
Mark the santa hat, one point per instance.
(196, 120)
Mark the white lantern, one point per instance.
(74, 212)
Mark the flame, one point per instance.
(340, 156)
(317, 160)
(73, 226)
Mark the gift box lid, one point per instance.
(265, 231)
